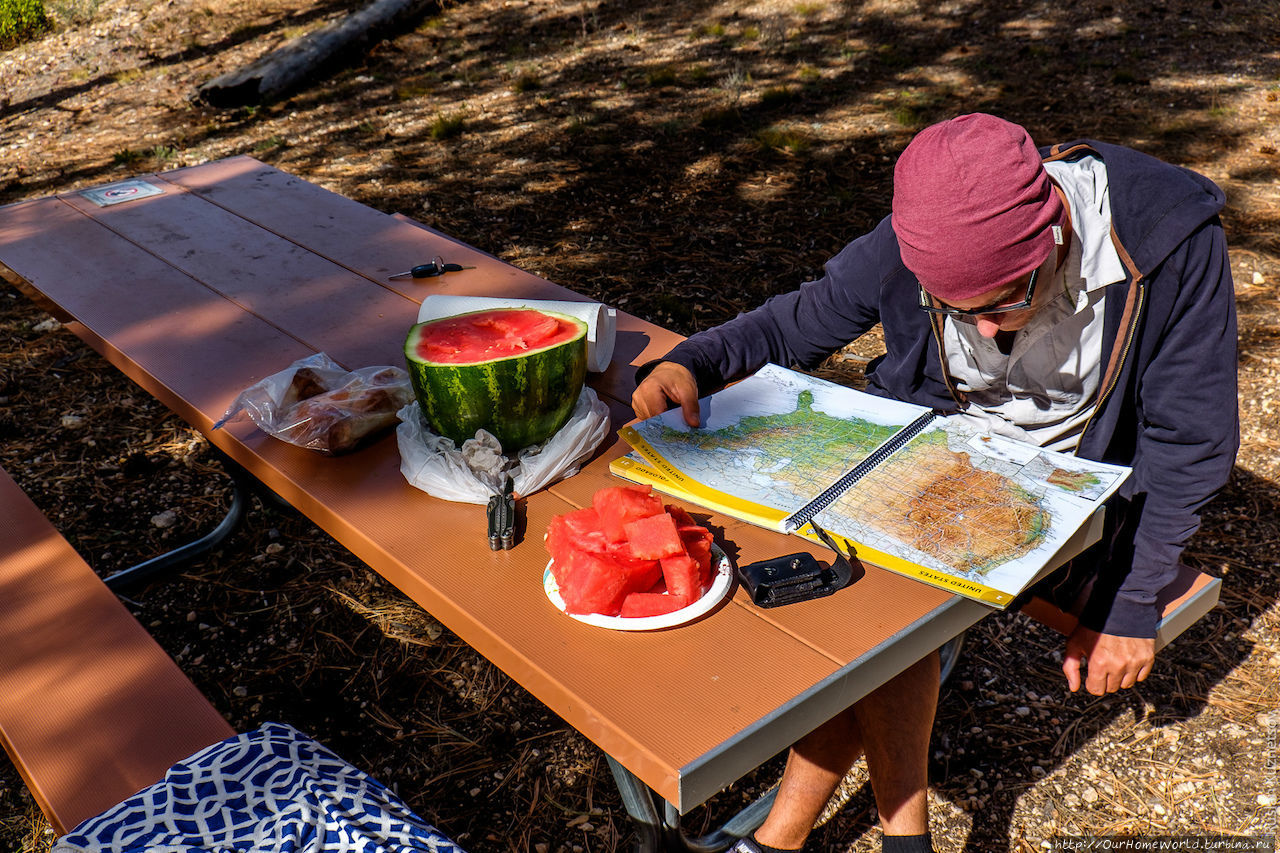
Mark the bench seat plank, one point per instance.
(91, 708)
(1182, 603)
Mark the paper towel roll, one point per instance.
(601, 320)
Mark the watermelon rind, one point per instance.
(521, 400)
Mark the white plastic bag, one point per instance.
(478, 469)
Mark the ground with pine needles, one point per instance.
(682, 161)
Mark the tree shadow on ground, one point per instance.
(685, 163)
(670, 160)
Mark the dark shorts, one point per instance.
(1087, 585)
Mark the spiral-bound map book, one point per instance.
(930, 496)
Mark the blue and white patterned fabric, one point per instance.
(271, 790)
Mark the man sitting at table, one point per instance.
(1079, 298)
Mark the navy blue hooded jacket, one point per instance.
(1167, 404)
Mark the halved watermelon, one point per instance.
(516, 372)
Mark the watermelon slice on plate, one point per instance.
(655, 537)
(629, 562)
(591, 583)
(683, 576)
(720, 588)
(617, 506)
(638, 605)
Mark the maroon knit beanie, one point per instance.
(972, 206)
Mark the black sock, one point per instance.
(765, 848)
(907, 844)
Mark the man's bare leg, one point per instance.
(815, 766)
(896, 727)
(893, 725)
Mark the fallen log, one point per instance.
(281, 70)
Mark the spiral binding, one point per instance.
(802, 516)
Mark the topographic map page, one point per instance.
(978, 514)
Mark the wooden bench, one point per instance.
(92, 710)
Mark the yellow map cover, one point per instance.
(977, 514)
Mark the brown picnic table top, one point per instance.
(237, 269)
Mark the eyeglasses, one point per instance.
(927, 302)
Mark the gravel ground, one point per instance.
(682, 161)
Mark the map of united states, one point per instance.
(957, 506)
(928, 497)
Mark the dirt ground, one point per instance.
(682, 161)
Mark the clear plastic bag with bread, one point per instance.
(318, 404)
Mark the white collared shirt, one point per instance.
(1046, 388)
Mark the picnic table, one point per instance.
(236, 269)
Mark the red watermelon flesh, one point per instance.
(559, 546)
(654, 537)
(640, 604)
(487, 335)
(583, 528)
(683, 576)
(642, 574)
(694, 533)
(695, 537)
(590, 583)
(592, 575)
(683, 519)
(557, 541)
(618, 505)
(697, 544)
(599, 575)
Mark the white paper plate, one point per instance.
(721, 585)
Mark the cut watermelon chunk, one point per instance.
(557, 541)
(618, 505)
(640, 604)
(683, 576)
(641, 574)
(654, 537)
(697, 544)
(656, 561)
(683, 519)
(590, 583)
(583, 528)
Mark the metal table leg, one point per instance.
(660, 831)
(948, 655)
(241, 485)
